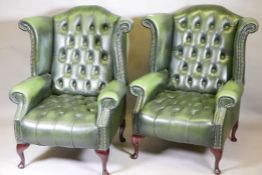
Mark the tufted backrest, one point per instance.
(83, 43)
(202, 48)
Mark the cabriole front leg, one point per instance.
(20, 148)
(135, 142)
(103, 155)
(218, 155)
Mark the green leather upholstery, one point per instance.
(201, 51)
(76, 95)
(178, 115)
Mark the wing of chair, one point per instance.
(193, 92)
(75, 96)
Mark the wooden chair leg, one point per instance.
(20, 148)
(233, 134)
(121, 131)
(135, 142)
(218, 155)
(103, 155)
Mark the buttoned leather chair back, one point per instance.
(83, 51)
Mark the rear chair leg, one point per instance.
(233, 134)
(121, 131)
(20, 148)
(103, 154)
(135, 142)
(218, 155)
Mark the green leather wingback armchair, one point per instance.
(75, 96)
(193, 92)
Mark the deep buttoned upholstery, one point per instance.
(75, 97)
(83, 51)
(197, 63)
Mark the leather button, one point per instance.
(203, 39)
(84, 41)
(88, 85)
(212, 26)
(197, 24)
(71, 41)
(176, 77)
(76, 57)
(219, 83)
(226, 26)
(78, 26)
(190, 81)
(68, 69)
(104, 56)
(204, 82)
(64, 26)
(208, 53)
(60, 82)
(97, 41)
(222, 55)
(92, 27)
(194, 52)
(185, 66)
(102, 85)
(199, 68)
(105, 26)
(62, 55)
(213, 69)
(90, 56)
(95, 70)
(184, 24)
(217, 40)
(189, 38)
(74, 84)
(82, 70)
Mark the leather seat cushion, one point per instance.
(64, 120)
(179, 116)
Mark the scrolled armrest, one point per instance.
(112, 94)
(229, 94)
(31, 91)
(145, 87)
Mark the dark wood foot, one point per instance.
(218, 155)
(20, 148)
(135, 142)
(121, 131)
(104, 158)
(233, 134)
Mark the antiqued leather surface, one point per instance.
(207, 59)
(83, 50)
(86, 107)
(202, 51)
(40, 29)
(179, 116)
(62, 120)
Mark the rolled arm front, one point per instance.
(112, 94)
(146, 87)
(229, 94)
(29, 93)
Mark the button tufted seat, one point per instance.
(197, 62)
(71, 117)
(177, 115)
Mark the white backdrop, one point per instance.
(243, 158)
